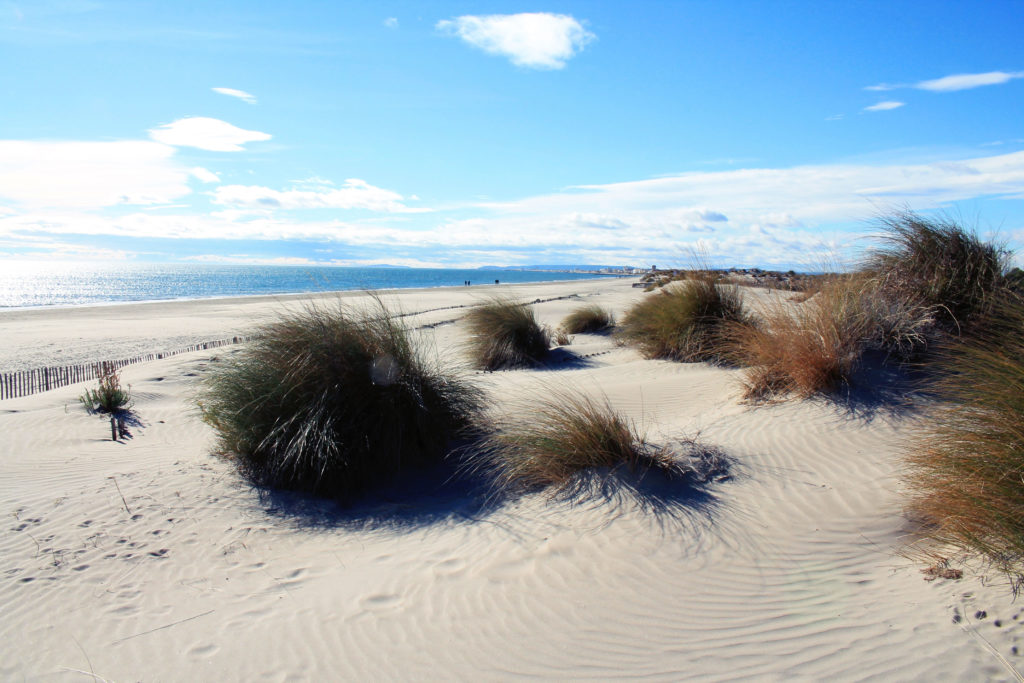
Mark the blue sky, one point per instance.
(461, 134)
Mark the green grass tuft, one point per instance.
(683, 322)
(560, 437)
(505, 334)
(334, 402)
(589, 318)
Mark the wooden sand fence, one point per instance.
(28, 382)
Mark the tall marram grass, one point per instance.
(505, 334)
(801, 349)
(966, 466)
(334, 402)
(936, 262)
(560, 437)
(816, 346)
(684, 321)
(589, 318)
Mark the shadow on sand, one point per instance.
(881, 388)
(451, 493)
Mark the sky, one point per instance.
(459, 134)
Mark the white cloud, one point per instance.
(885, 106)
(206, 133)
(90, 174)
(204, 175)
(354, 194)
(884, 86)
(834, 117)
(967, 81)
(391, 22)
(240, 94)
(535, 40)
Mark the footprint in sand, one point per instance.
(381, 601)
(203, 650)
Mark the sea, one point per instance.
(44, 284)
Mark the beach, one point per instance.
(152, 559)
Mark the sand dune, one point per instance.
(152, 560)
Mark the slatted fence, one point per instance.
(27, 382)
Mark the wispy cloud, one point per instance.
(354, 194)
(968, 81)
(206, 133)
(885, 106)
(537, 41)
(391, 22)
(240, 94)
(954, 82)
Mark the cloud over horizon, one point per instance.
(754, 216)
(537, 40)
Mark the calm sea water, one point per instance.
(24, 284)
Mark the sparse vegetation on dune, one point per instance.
(966, 465)
(108, 396)
(683, 322)
(505, 334)
(334, 402)
(568, 434)
(589, 318)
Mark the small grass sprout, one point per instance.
(108, 396)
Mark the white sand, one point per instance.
(152, 560)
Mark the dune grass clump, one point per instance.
(333, 402)
(561, 437)
(108, 396)
(505, 334)
(802, 349)
(683, 322)
(936, 262)
(589, 318)
(966, 466)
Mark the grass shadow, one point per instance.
(884, 388)
(418, 498)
